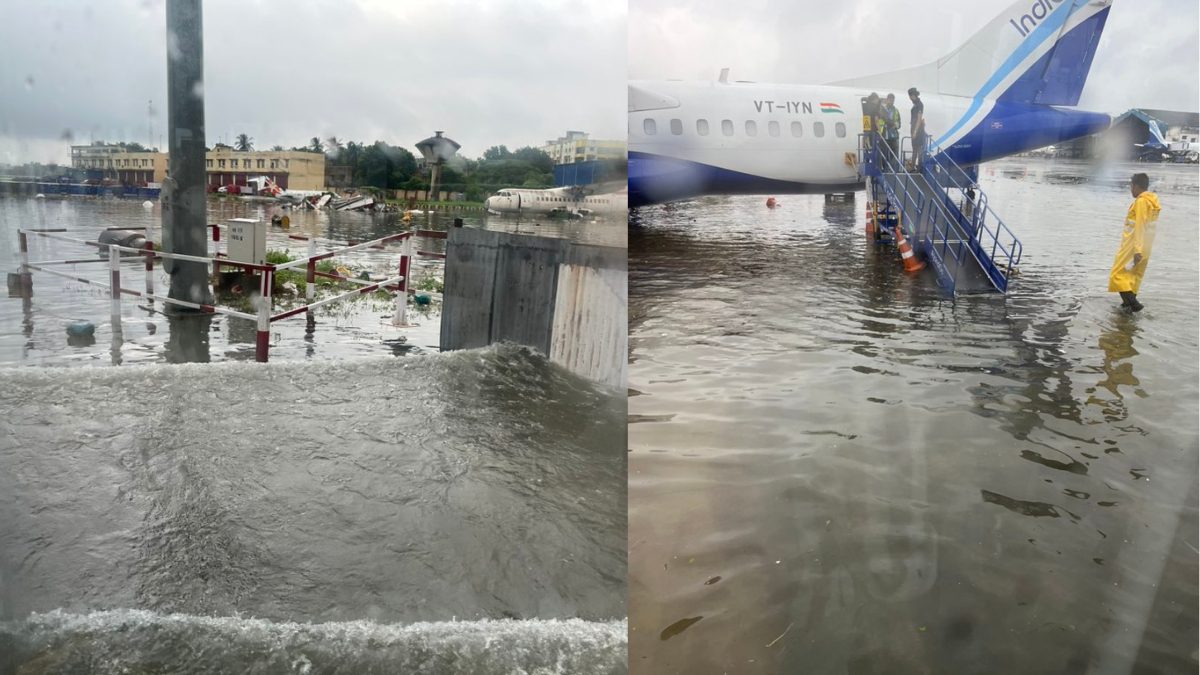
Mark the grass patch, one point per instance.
(430, 283)
(296, 275)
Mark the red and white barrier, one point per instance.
(263, 317)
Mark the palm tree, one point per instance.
(277, 148)
(315, 145)
(333, 144)
(244, 143)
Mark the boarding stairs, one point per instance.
(942, 211)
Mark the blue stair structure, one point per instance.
(941, 209)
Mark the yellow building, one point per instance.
(575, 146)
(290, 169)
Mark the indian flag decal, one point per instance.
(831, 108)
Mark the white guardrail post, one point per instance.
(262, 343)
(406, 259)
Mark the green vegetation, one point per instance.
(430, 283)
(296, 275)
(382, 166)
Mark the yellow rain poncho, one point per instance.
(1137, 238)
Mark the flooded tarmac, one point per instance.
(337, 510)
(836, 469)
(458, 512)
(34, 332)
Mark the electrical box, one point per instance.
(247, 240)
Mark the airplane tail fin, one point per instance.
(1036, 51)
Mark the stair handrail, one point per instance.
(942, 233)
(980, 209)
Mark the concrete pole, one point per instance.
(434, 177)
(184, 208)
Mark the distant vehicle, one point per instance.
(571, 202)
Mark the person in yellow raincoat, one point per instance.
(1130, 264)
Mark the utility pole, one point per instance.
(184, 200)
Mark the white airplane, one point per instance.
(996, 95)
(574, 202)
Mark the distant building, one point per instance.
(290, 169)
(1130, 131)
(338, 175)
(576, 146)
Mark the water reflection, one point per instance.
(188, 340)
(883, 480)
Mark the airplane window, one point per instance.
(819, 129)
(797, 129)
(702, 127)
(751, 128)
(840, 129)
(727, 127)
(676, 128)
(649, 127)
(773, 128)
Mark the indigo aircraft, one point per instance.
(1008, 89)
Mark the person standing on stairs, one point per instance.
(917, 126)
(891, 122)
(1133, 256)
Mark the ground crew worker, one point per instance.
(1129, 266)
(917, 126)
(891, 122)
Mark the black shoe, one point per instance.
(1135, 306)
(1126, 297)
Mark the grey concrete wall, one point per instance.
(567, 300)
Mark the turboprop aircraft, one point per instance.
(1002, 92)
(573, 202)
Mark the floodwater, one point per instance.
(34, 332)
(338, 510)
(457, 512)
(836, 469)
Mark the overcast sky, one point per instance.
(488, 72)
(1147, 58)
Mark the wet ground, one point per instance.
(209, 518)
(836, 469)
(337, 510)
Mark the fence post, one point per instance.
(26, 276)
(262, 344)
(149, 271)
(114, 273)
(310, 280)
(401, 316)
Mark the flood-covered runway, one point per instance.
(313, 517)
(836, 469)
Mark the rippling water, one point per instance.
(836, 469)
(297, 517)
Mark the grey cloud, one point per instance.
(1147, 56)
(507, 71)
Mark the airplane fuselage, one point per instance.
(692, 138)
(555, 201)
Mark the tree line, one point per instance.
(390, 167)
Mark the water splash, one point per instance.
(118, 641)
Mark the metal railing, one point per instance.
(968, 222)
(265, 314)
(992, 235)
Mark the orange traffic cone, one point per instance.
(870, 218)
(911, 264)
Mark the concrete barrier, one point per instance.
(567, 300)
